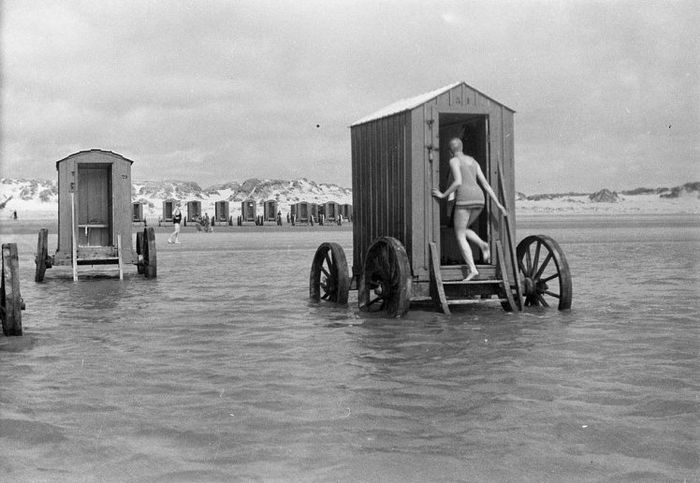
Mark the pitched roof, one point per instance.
(94, 151)
(413, 102)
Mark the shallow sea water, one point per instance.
(221, 370)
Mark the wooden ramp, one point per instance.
(447, 285)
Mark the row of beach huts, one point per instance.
(303, 212)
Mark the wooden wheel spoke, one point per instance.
(551, 277)
(522, 266)
(323, 269)
(329, 263)
(541, 299)
(374, 301)
(552, 294)
(325, 296)
(543, 266)
(528, 259)
(537, 254)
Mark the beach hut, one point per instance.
(302, 210)
(403, 246)
(221, 211)
(249, 209)
(331, 211)
(194, 210)
(168, 209)
(137, 212)
(270, 210)
(95, 216)
(346, 211)
(314, 211)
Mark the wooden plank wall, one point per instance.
(381, 183)
(121, 199)
(425, 218)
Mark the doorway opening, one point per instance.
(472, 129)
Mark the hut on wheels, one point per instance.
(331, 211)
(249, 209)
(95, 186)
(194, 211)
(302, 210)
(221, 211)
(95, 217)
(168, 209)
(137, 212)
(270, 210)
(346, 211)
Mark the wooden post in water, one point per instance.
(11, 298)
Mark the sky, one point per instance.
(607, 93)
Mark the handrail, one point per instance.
(509, 235)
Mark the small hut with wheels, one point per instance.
(302, 212)
(221, 211)
(168, 209)
(346, 211)
(331, 211)
(137, 212)
(95, 217)
(194, 211)
(404, 249)
(249, 210)
(270, 210)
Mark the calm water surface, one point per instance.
(221, 370)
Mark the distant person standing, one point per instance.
(14, 215)
(469, 202)
(177, 219)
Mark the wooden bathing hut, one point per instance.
(346, 211)
(249, 210)
(403, 247)
(221, 211)
(95, 216)
(270, 210)
(194, 211)
(303, 212)
(331, 211)
(168, 209)
(137, 212)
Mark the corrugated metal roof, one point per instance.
(405, 104)
(413, 102)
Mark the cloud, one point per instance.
(212, 90)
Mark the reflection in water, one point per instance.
(221, 369)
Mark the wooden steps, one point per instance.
(447, 285)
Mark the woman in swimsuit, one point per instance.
(469, 201)
(177, 218)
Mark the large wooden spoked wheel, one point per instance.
(10, 297)
(150, 260)
(329, 279)
(42, 255)
(546, 276)
(385, 284)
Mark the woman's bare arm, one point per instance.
(487, 187)
(456, 174)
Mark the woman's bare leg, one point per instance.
(471, 235)
(461, 218)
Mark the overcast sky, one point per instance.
(607, 93)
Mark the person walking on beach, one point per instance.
(469, 202)
(177, 219)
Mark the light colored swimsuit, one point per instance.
(469, 193)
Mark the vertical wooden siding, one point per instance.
(381, 183)
(120, 202)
